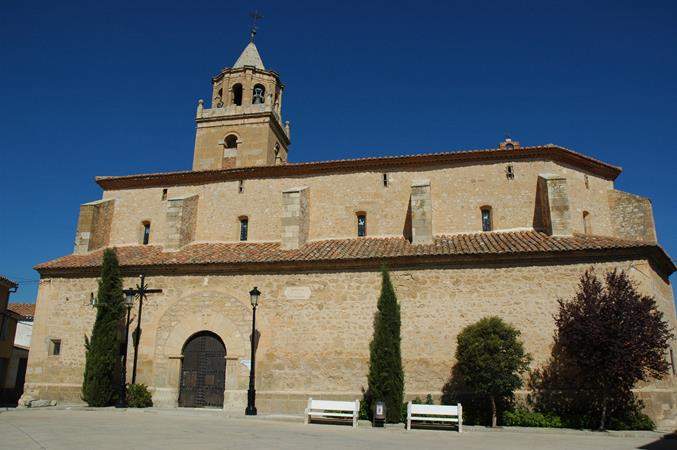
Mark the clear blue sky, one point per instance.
(110, 88)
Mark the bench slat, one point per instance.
(327, 414)
(433, 419)
(332, 405)
(445, 410)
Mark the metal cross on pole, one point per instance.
(140, 291)
(255, 16)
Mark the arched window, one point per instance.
(361, 224)
(487, 224)
(259, 94)
(586, 223)
(219, 99)
(146, 232)
(230, 141)
(237, 94)
(244, 228)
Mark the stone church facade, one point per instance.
(504, 231)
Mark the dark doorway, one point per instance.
(203, 371)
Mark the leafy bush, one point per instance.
(522, 417)
(635, 419)
(490, 361)
(138, 396)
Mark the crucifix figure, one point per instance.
(255, 16)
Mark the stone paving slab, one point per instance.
(108, 428)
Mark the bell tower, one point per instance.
(243, 127)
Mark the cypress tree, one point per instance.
(103, 348)
(386, 377)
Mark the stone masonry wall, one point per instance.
(316, 327)
(94, 225)
(631, 216)
(457, 193)
(181, 221)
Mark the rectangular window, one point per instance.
(146, 233)
(240, 187)
(385, 180)
(54, 347)
(486, 219)
(361, 225)
(587, 181)
(164, 194)
(244, 226)
(509, 172)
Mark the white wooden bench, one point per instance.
(434, 413)
(331, 409)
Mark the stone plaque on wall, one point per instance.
(297, 292)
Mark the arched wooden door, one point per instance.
(203, 371)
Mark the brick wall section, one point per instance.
(181, 221)
(295, 218)
(94, 225)
(421, 213)
(553, 202)
(631, 216)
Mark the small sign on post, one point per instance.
(379, 416)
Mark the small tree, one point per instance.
(490, 361)
(609, 337)
(103, 348)
(386, 377)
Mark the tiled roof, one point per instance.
(7, 282)
(547, 152)
(26, 310)
(337, 252)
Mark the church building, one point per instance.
(466, 234)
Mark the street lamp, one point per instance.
(122, 397)
(254, 295)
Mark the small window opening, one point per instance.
(54, 347)
(509, 172)
(486, 218)
(672, 362)
(237, 94)
(385, 180)
(587, 181)
(278, 158)
(164, 194)
(92, 299)
(361, 224)
(219, 99)
(586, 223)
(230, 141)
(240, 186)
(244, 228)
(146, 233)
(259, 94)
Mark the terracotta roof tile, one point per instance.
(342, 250)
(26, 310)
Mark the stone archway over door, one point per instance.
(203, 371)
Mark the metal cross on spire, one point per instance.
(255, 16)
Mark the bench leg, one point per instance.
(460, 418)
(307, 417)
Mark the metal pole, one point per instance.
(142, 293)
(122, 397)
(251, 393)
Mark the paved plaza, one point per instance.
(191, 429)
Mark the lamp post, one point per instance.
(122, 397)
(251, 393)
(140, 291)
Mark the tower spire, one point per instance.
(255, 16)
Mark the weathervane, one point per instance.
(255, 16)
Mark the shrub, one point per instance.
(522, 417)
(386, 377)
(609, 337)
(490, 361)
(138, 396)
(102, 350)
